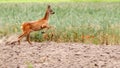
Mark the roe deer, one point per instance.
(28, 27)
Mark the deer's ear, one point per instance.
(48, 6)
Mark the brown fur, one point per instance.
(28, 27)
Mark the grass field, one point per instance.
(97, 23)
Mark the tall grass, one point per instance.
(97, 23)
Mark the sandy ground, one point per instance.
(59, 55)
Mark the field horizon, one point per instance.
(18, 1)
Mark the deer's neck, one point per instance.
(46, 17)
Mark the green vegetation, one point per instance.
(29, 65)
(97, 23)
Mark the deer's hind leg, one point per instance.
(28, 39)
(19, 38)
(23, 35)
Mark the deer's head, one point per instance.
(49, 10)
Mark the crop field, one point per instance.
(84, 22)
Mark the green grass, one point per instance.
(72, 21)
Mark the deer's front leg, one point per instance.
(46, 27)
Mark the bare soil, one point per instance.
(58, 55)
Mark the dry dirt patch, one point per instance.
(59, 55)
